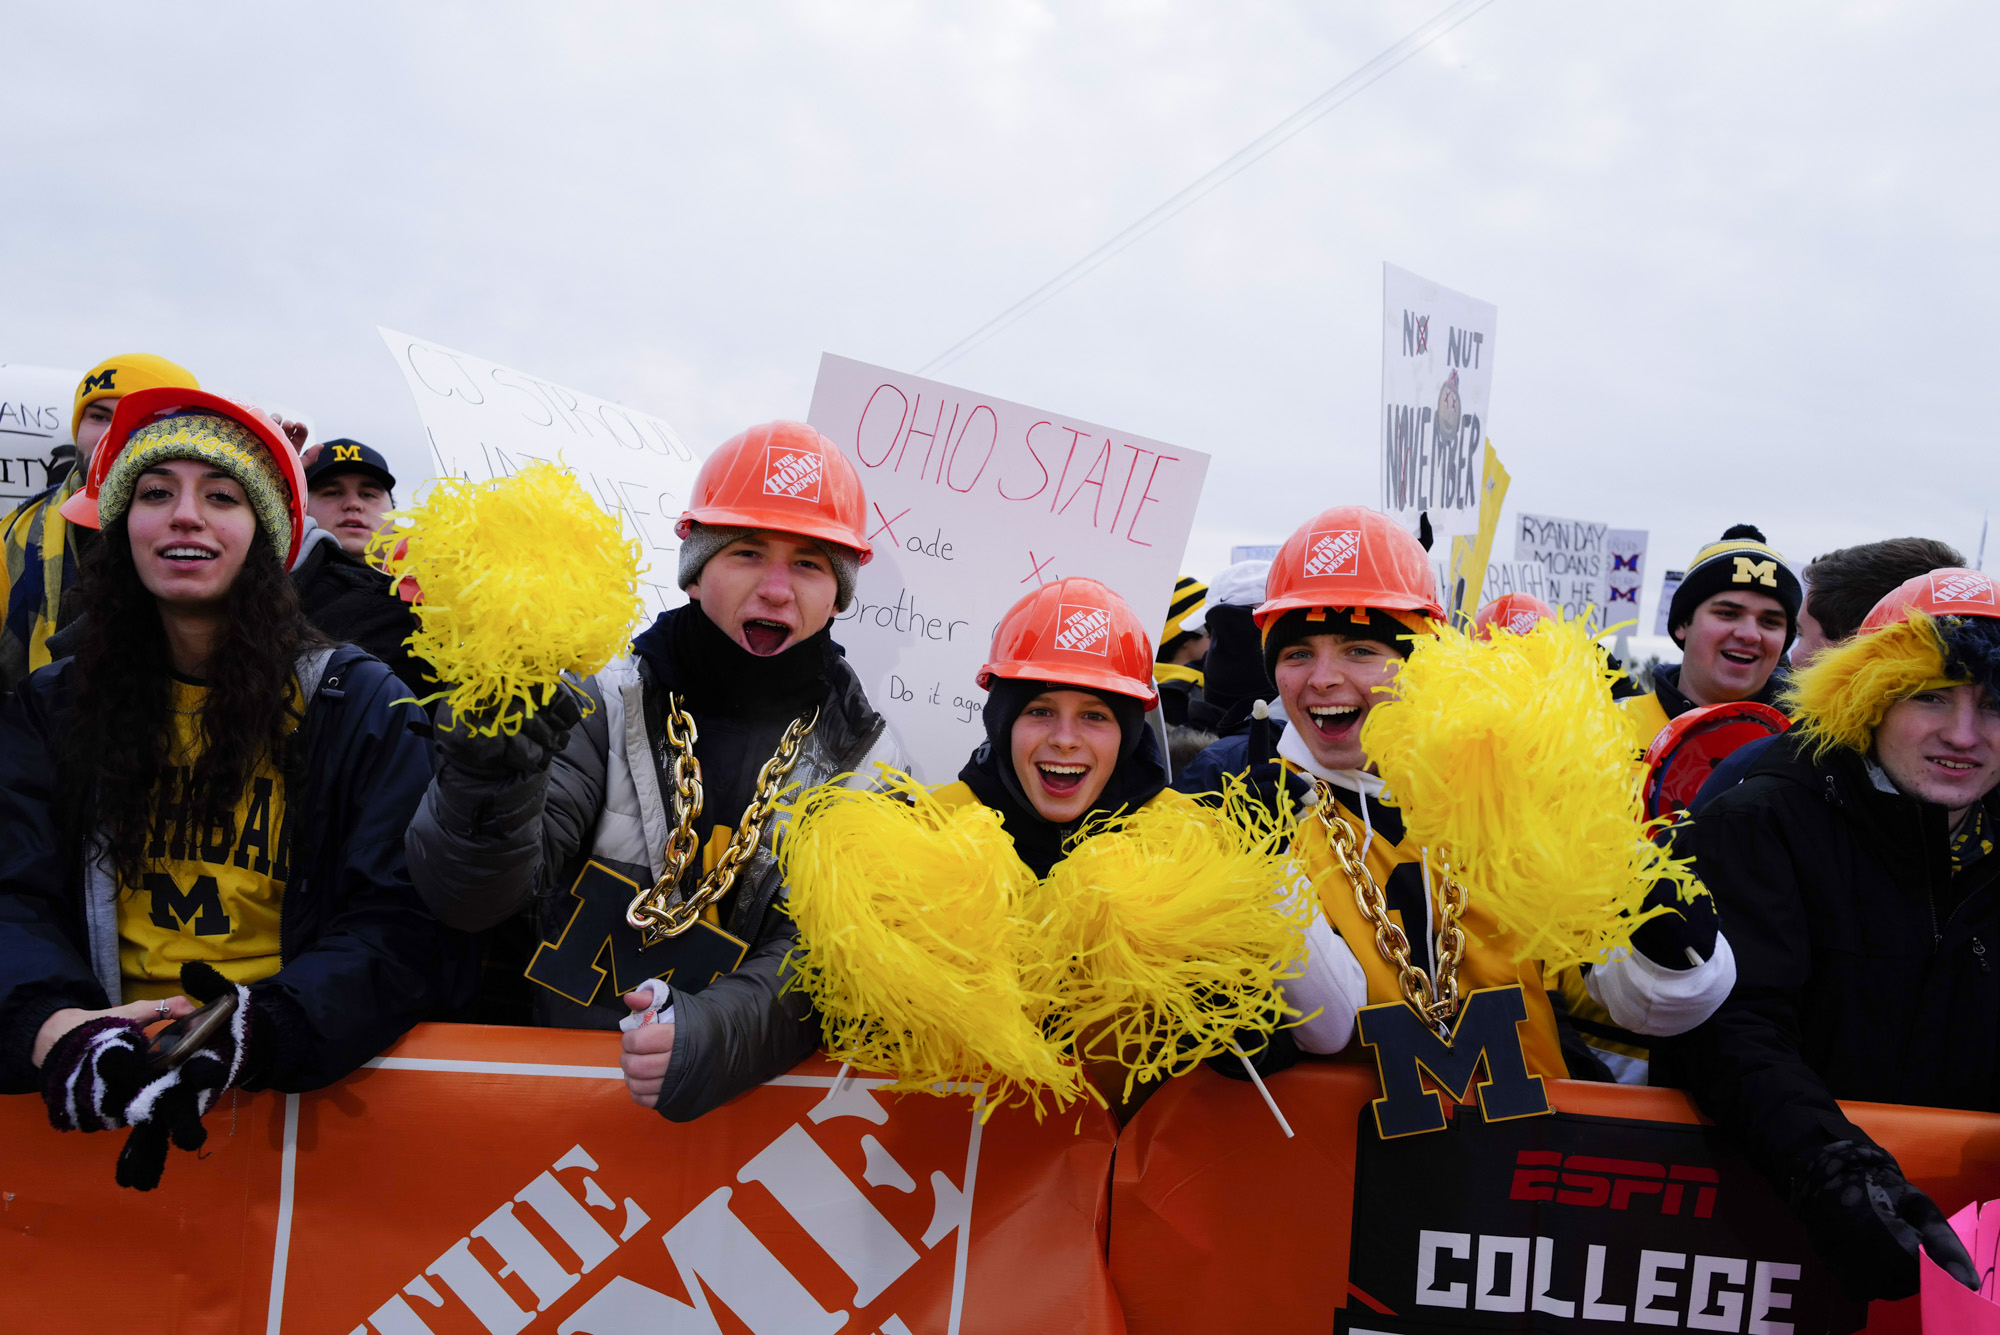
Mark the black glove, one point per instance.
(1270, 1054)
(1687, 926)
(543, 732)
(171, 1107)
(93, 1072)
(1867, 1222)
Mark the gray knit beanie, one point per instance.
(705, 540)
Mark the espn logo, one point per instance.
(1333, 552)
(1962, 586)
(792, 473)
(1580, 1179)
(1083, 630)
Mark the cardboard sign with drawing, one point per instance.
(1437, 378)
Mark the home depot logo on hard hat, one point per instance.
(1961, 586)
(1522, 622)
(792, 473)
(1083, 630)
(1334, 552)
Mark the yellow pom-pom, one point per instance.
(523, 578)
(910, 942)
(1510, 763)
(1165, 932)
(1840, 698)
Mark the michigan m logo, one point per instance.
(199, 908)
(1406, 1049)
(104, 379)
(1760, 572)
(347, 454)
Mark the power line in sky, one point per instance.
(1228, 169)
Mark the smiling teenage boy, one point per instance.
(1853, 869)
(1347, 593)
(1733, 616)
(668, 784)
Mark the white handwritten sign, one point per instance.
(35, 406)
(1572, 550)
(1502, 577)
(1437, 378)
(1670, 584)
(972, 502)
(485, 420)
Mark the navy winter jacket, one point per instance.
(363, 960)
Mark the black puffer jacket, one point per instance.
(1865, 968)
(362, 959)
(485, 848)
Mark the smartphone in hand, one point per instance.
(179, 1040)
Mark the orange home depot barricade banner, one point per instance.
(501, 1181)
(1619, 1211)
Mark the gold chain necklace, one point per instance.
(650, 912)
(1436, 1005)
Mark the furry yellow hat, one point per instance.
(1939, 629)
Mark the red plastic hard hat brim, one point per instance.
(778, 521)
(1070, 674)
(1688, 749)
(141, 406)
(1273, 608)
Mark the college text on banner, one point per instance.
(485, 420)
(1437, 380)
(973, 502)
(35, 404)
(500, 1182)
(1621, 1211)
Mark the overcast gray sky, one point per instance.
(1740, 251)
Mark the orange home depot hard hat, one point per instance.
(1350, 556)
(1075, 632)
(1515, 613)
(786, 477)
(1951, 592)
(142, 406)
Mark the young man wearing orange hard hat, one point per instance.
(637, 839)
(41, 550)
(1346, 594)
(1854, 869)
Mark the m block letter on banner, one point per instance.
(1437, 377)
(974, 502)
(1406, 1047)
(485, 420)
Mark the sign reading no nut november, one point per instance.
(974, 502)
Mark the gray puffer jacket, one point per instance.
(487, 845)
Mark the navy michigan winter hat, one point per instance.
(1743, 560)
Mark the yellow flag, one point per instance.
(1470, 555)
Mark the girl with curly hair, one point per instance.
(204, 804)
